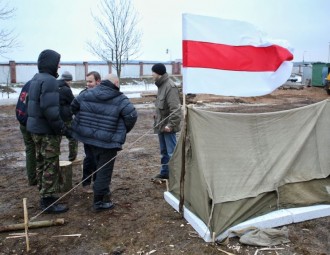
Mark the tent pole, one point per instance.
(183, 153)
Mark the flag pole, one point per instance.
(183, 152)
(184, 134)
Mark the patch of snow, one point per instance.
(131, 91)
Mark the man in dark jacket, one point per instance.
(66, 98)
(93, 79)
(104, 116)
(47, 127)
(30, 148)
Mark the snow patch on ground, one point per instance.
(131, 91)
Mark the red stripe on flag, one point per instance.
(235, 58)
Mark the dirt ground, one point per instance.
(141, 222)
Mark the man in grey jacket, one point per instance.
(168, 116)
(103, 117)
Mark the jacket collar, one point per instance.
(62, 83)
(161, 80)
(109, 84)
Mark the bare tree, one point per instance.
(8, 40)
(118, 35)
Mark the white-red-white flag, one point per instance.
(231, 58)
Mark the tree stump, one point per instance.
(77, 164)
(65, 176)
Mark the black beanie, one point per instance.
(159, 68)
(67, 76)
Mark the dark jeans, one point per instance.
(89, 166)
(105, 162)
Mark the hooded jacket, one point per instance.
(103, 116)
(44, 104)
(66, 98)
(168, 108)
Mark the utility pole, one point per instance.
(170, 53)
(304, 57)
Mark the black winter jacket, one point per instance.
(44, 104)
(66, 98)
(104, 116)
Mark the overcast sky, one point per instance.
(66, 25)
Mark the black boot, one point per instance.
(102, 202)
(55, 208)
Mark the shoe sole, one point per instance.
(158, 179)
(54, 212)
(88, 191)
(103, 209)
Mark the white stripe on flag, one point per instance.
(217, 30)
(233, 83)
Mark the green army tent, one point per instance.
(238, 166)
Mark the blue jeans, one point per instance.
(167, 142)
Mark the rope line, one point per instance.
(118, 154)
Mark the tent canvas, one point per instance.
(240, 166)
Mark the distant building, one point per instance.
(21, 72)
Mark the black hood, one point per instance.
(48, 62)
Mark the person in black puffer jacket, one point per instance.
(46, 127)
(66, 98)
(103, 117)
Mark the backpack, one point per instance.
(21, 106)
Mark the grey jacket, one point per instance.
(167, 105)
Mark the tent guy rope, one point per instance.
(120, 153)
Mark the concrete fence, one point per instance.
(21, 72)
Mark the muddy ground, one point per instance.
(141, 222)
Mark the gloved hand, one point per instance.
(67, 131)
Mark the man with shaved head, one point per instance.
(113, 78)
(103, 117)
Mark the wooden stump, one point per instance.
(77, 169)
(77, 164)
(65, 176)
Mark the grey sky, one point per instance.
(66, 25)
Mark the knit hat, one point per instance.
(67, 76)
(159, 68)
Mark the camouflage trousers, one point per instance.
(30, 152)
(73, 145)
(48, 152)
